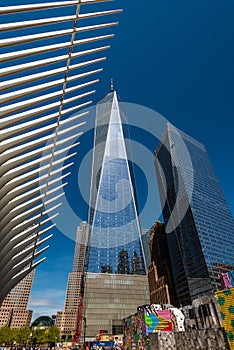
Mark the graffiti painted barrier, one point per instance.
(225, 299)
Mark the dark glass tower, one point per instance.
(199, 223)
(115, 234)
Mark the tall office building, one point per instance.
(13, 311)
(113, 216)
(116, 281)
(66, 320)
(199, 223)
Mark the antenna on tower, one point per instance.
(112, 85)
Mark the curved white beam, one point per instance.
(6, 57)
(44, 6)
(25, 206)
(26, 200)
(49, 35)
(22, 188)
(14, 130)
(36, 108)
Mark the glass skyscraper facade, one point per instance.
(199, 223)
(116, 281)
(115, 235)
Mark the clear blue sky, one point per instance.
(175, 57)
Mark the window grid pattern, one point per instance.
(115, 243)
(197, 248)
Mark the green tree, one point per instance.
(49, 335)
(53, 335)
(40, 336)
(6, 335)
(22, 334)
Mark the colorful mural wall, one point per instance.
(225, 299)
(159, 321)
(227, 279)
(148, 319)
(134, 337)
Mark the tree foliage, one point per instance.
(48, 335)
(22, 335)
(6, 335)
(53, 335)
(26, 335)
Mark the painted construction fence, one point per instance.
(225, 299)
(150, 319)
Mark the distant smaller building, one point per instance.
(66, 320)
(13, 311)
(161, 285)
(43, 322)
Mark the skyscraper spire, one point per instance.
(113, 217)
(116, 263)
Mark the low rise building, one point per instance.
(13, 311)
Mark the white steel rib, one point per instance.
(43, 55)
